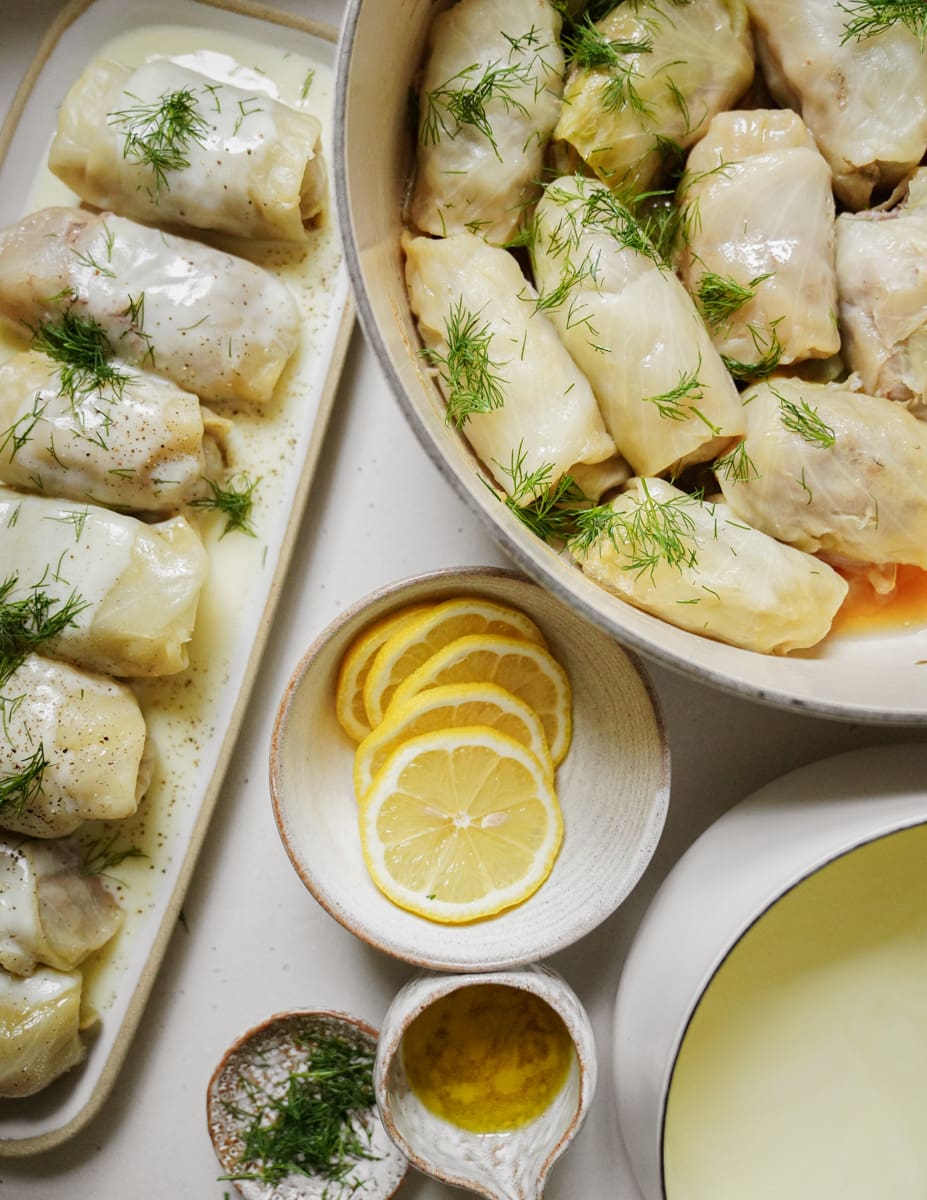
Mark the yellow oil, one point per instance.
(488, 1058)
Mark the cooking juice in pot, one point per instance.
(802, 1073)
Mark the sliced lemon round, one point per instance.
(449, 707)
(522, 668)
(409, 647)
(349, 690)
(460, 824)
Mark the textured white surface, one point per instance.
(252, 941)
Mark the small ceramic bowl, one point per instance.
(742, 942)
(613, 788)
(500, 1166)
(262, 1060)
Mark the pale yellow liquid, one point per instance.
(803, 1075)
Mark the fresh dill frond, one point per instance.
(460, 102)
(545, 506)
(469, 375)
(19, 433)
(161, 133)
(102, 855)
(736, 466)
(653, 533)
(805, 420)
(679, 402)
(235, 501)
(570, 278)
(720, 296)
(26, 623)
(307, 83)
(319, 1125)
(19, 790)
(770, 351)
(83, 352)
(530, 40)
(587, 47)
(869, 18)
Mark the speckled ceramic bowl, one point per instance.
(502, 1166)
(262, 1059)
(613, 787)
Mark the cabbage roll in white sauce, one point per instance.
(50, 911)
(40, 1023)
(135, 441)
(882, 280)
(237, 161)
(488, 101)
(825, 468)
(646, 80)
(72, 747)
(633, 329)
(217, 325)
(759, 240)
(864, 99)
(510, 386)
(698, 566)
(130, 590)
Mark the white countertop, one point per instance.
(252, 940)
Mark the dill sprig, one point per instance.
(469, 375)
(16, 435)
(588, 47)
(869, 18)
(770, 351)
(319, 1126)
(653, 533)
(83, 352)
(18, 791)
(593, 207)
(460, 102)
(27, 622)
(160, 134)
(720, 296)
(680, 402)
(546, 506)
(736, 466)
(235, 500)
(805, 420)
(102, 855)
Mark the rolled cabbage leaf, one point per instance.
(865, 100)
(215, 324)
(758, 254)
(251, 166)
(131, 589)
(139, 443)
(488, 102)
(882, 282)
(647, 86)
(40, 1023)
(510, 385)
(698, 566)
(828, 469)
(50, 912)
(633, 330)
(77, 742)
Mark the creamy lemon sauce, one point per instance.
(802, 1074)
(187, 714)
(487, 1058)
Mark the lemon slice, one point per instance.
(460, 824)
(349, 690)
(449, 707)
(409, 647)
(522, 668)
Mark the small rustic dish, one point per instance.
(613, 787)
(500, 1166)
(263, 1058)
(729, 883)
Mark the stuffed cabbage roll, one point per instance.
(216, 325)
(72, 748)
(882, 280)
(242, 162)
(510, 385)
(40, 1023)
(129, 590)
(136, 441)
(759, 246)
(698, 566)
(632, 329)
(50, 912)
(488, 101)
(645, 81)
(863, 98)
(825, 468)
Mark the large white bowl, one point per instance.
(877, 678)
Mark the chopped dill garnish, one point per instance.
(83, 351)
(546, 507)
(18, 791)
(102, 855)
(160, 134)
(679, 403)
(244, 112)
(307, 83)
(736, 466)
(28, 622)
(319, 1126)
(805, 420)
(588, 47)
(19, 433)
(527, 41)
(720, 296)
(869, 18)
(461, 101)
(769, 348)
(595, 208)
(235, 500)
(570, 277)
(654, 532)
(468, 373)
